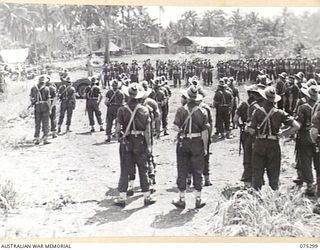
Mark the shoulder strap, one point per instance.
(133, 113)
(267, 118)
(189, 118)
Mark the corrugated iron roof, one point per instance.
(206, 41)
(154, 45)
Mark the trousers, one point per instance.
(266, 155)
(190, 156)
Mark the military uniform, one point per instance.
(93, 95)
(306, 150)
(223, 104)
(67, 98)
(53, 107)
(114, 100)
(191, 121)
(134, 120)
(39, 96)
(265, 124)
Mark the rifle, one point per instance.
(241, 126)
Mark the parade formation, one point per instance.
(283, 102)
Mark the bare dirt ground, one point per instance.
(66, 189)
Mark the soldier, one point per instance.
(135, 143)
(222, 101)
(94, 97)
(67, 97)
(114, 100)
(235, 100)
(306, 150)
(52, 104)
(89, 65)
(176, 75)
(39, 97)
(191, 123)
(154, 132)
(291, 95)
(265, 125)
(280, 89)
(314, 134)
(134, 71)
(160, 96)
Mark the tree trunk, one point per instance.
(107, 30)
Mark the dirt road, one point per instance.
(67, 188)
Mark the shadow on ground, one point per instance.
(175, 218)
(113, 213)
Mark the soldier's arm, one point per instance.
(314, 131)
(293, 125)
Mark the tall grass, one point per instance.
(266, 213)
(8, 196)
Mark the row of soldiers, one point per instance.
(260, 122)
(244, 70)
(171, 69)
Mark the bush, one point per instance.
(266, 213)
(7, 195)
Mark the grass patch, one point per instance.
(8, 196)
(282, 213)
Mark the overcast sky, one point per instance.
(173, 13)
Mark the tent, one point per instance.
(14, 55)
(206, 41)
(112, 48)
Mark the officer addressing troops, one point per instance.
(39, 97)
(67, 97)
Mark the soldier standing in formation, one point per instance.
(133, 124)
(94, 97)
(306, 150)
(191, 123)
(114, 100)
(39, 97)
(265, 125)
(67, 97)
(222, 101)
(52, 104)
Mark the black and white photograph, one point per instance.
(127, 120)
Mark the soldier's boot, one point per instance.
(221, 136)
(228, 135)
(108, 138)
(207, 181)
(247, 185)
(189, 179)
(310, 190)
(121, 200)
(149, 199)
(54, 134)
(45, 140)
(180, 202)
(59, 129)
(199, 202)
(165, 131)
(101, 128)
(36, 141)
(318, 187)
(130, 191)
(92, 129)
(68, 128)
